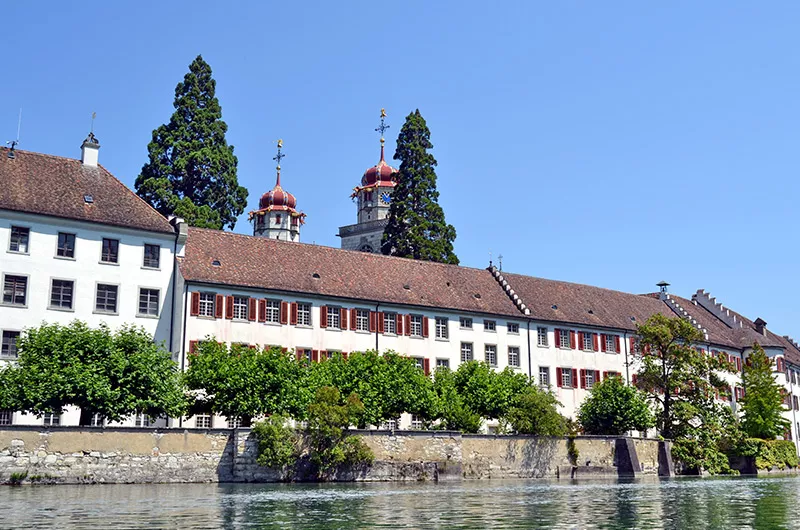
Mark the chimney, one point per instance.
(89, 150)
(761, 326)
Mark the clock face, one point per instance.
(385, 197)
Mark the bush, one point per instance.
(277, 442)
(697, 455)
(535, 411)
(768, 453)
(613, 408)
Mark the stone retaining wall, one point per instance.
(126, 455)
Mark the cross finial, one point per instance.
(500, 260)
(91, 130)
(382, 127)
(278, 158)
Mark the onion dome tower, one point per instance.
(277, 217)
(373, 197)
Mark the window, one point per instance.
(466, 351)
(52, 419)
(206, 305)
(106, 299)
(334, 317)
(611, 343)
(110, 252)
(637, 347)
(5, 417)
(443, 363)
(61, 294)
(563, 335)
(15, 289)
(415, 325)
(304, 314)
(143, 420)
(391, 425)
(202, 421)
(152, 254)
(66, 245)
(19, 239)
(465, 322)
(441, 328)
(490, 354)
(9, 348)
(588, 341)
(235, 423)
(362, 320)
(794, 375)
(489, 325)
(589, 374)
(541, 336)
(277, 219)
(390, 323)
(513, 328)
(273, 312)
(416, 422)
(419, 362)
(794, 403)
(544, 375)
(566, 377)
(148, 301)
(513, 356)
(96, 420)
(240, 307)
(304, 353)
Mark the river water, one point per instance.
(648, 503)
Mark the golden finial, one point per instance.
(382, 128)
(280, 143)
(383, 113)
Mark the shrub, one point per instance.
(613, 408)
(768, 453)
(277, 442)
(535, 411)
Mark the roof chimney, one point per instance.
(761, 326)
(89, 150)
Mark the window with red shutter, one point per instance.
(618, 343)
(407, 325)
(343, 318)
(559, 379)
(218, 306)
(574, 377)
(424, 326)
(353, 313)
(229, 307)
(195, 310)
(192, 346)
(379, 317)
(251, 309)
(426, 366)
(293, 313)
(314, 356)
(597, 376)
(632, 345)
(634, 379)
(323, 316)
(581, 345)
(262, 310)
(595, 341)
(344, 355)
(583, 378)
(572, 340)
(399, 323)
(283, 315)
(373, 321)
(602, 342)
(558, 341)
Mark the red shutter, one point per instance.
(574, 377)
(407, 325)
(251, 309)
(399, 323)
(293, 313)
(192, 346)
(195, 309)
(373, 317)
(424, 326)
(595, 341)
(605, 376)
(583, 378)
(314, 356)
(558, 376)
(353, 313)
(558, 340)
(602, 342)
(426, 366)
(739, 364)
(618, 343)
(218, 301)
(344, 355)
(228, 307)
(381, 326)
(634, 379)
(343, 318)
(572, 339)
(323, 316)
(632, 344)
(284, 313)
(262, 310)
(299, 355)
(580, 340)
(323, 355)
(597, 376)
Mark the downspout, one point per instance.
(183, 338)
(627, 368)
(377, 327)
(530, 373)
(791, 403)
(174, 294)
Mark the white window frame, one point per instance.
(6, 417)
(203, 421)
(51, 419)
(490, 326)
(116, 298)
(541, 336)
(362, 320)
(11, 240)
(441, 325)
(272, 311)
(513, 356)
(334, 317)
(544, 370)
(564, 339)
(71, 306)
(206, 308)
(588, 341)
(589, 377)
(490, 354)
(465, 322)
(566, 378)
(147, 313)
(240, 307)
(304, 314)
(611, 343)
(416, 422)
(145, 265)
(442, 363)
(467, 352)
(390, 323)
(512, 328)
(415, 325)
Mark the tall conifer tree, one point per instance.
(763, 398)
(417, 228)
(191, 170)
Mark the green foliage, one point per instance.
(277, 442)
(328, 420)
(695, 454)
(572, 451)
(451, 409)
(613, 408)
(245, 382)
(191, 169)
(763, 398)
(535, 411)
(769, 454)
(114, 374)
(17, 477)
(416, 227)
(487, 392)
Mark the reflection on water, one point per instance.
(674, 504)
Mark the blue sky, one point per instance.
(609, 143)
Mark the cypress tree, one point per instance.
(191, 170)
(417, 228)
(763, 398)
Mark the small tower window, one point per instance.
(278, 219)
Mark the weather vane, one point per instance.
(94, 115)
(382, 128)
(280, 155)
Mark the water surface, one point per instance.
(647, 503)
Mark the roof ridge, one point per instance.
(37, 153)
(646, 295)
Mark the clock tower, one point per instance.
(372, 197)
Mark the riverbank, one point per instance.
(77, 455)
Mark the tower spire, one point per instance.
(382, 128)
(278, 158)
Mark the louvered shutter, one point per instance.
(595, 340)
(299, 354)
(229, 307)
(314, 356)
(580, 340)
(597, 376)
(572, 339)
(632, 347)
(218, 303)
(407, 325)
(323, 316)
(558, 339)
(634, 379)
(574, 377)
(424, 326)
(618, 343)
(739, 364)
(381, 323)
(583, 378)
(353, 319)
(605, 376)
(262, 310)
(195, 309)
(192, 346)
(426, 366)
(284, 313)
(344, 355)
(399, 323)
(602, 342)
(343, 318)
(293, 313)
(558, 376)
(323, 355)
(373, 321)
(251, 309)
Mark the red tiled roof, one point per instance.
(56, 186)
(261, 263)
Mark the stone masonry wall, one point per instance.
(125, 455)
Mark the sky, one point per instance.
(614, 143)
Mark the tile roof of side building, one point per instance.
(52, 185)
(260, 263)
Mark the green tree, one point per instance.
(278, 444)
(535, 411)
(487, 392)
(242, 382)
(114, 374)
(416, 227)
(613, 408)
(191, 170)
(762, 403)
(450, 407)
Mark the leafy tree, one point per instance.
(763, 398)
(487, 392)
(114, 374)
(277, 442)
(416, 227)
(451, 409)
(243, 382)
(613, 408)
(191, 170)
(535, 411)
